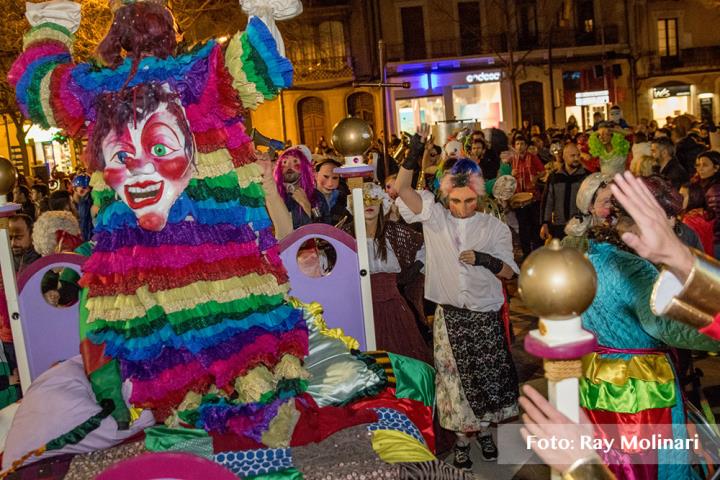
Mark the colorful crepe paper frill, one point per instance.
(168, 351)
(52, 91)
(635, 396)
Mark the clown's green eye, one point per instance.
(160, 150)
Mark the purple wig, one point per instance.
(307, 174)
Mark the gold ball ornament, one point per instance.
(8, 176)
(557, 283)
(352, 136)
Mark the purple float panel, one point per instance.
(52, 334)
(167, 466)
(339, 291)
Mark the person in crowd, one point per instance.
(571, 122)
(20, 228)
(663, 151)
(671, 202)
(708, 177)
(597, 120)
(662, 132)
(57, 232)
(704, 133)
(468, 253)
(686, 148)
(697, 216)
(527, 168)
(652, 128)
(593, 204)
(82, 201)
(559, 199)
(322, 147)
(332, 194)
(488, 162)
(616, 116)
(21, 195)
(642, 162)
(39, 194)
(397, 257)
(61, 200)
(525, 129)
(609, 148)
(542, 151)
(295, 180)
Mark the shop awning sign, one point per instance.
(671, 91)
(483, 77)
(597, 97)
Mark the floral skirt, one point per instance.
(476, 381)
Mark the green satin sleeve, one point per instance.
(414, 379)
(632, 397)
(107, 384)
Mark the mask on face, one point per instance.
(147, 164)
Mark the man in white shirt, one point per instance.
(467, 254)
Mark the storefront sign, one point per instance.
(598, 97)
(483, 77)
(672, 91)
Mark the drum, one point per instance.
(520, 200)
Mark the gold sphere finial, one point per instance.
(557, 283)
(8, 176)
(352, 136)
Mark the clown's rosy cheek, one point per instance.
(114, 177)
(173, 168)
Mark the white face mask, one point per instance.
(615, 115)
(147, 165)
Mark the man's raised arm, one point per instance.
(403, 183)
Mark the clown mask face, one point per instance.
(148, 166)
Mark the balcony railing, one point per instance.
(318, 69)
(688, 58)
(454, 47)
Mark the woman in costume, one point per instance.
(593, 203)
(629, 381)
(697, 216)
(609, 149)
(396, 255)
(707, 167)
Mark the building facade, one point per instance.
(331, 46)
(679, 59)
(498, 63)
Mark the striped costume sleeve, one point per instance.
(259, 71)
(41, 76)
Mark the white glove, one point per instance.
(271, 10)
(61, 12)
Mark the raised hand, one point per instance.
(656, 240)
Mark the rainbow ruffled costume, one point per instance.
(199, 306)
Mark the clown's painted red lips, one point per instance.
(142, 194)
